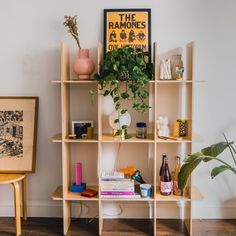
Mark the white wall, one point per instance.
(31, 32)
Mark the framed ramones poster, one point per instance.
(127, 27)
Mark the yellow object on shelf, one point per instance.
(128, 171)
(176, 129)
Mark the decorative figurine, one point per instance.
(162, 127)
(179, 71)
(165, 70)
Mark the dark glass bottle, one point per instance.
(166, 181)
(162, 165)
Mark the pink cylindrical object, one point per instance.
(78, 173)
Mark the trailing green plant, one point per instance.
(124, 75)
(205, 155)
(71, 23)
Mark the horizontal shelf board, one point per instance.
(57, 138)
(74, 81)
(94, 140)
(184, 140)
(57, 195)
(111, 138)
(170, 198)
(77, 197)
(178, 81)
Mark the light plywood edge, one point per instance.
(133, 139)
(56, 138)
(57, 195)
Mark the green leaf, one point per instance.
(116, 99)
(91, 92)
(118, 105)
(123, 111)
(116, 121)
(107, 92)
(124, 126)
(217, 170)
(128, 136)
(215, 149)
(125, 95)
(115, 68)
(190, 163)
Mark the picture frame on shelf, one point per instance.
(80, 128)
(127, 27)
(18, 134)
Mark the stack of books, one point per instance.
(115, 185)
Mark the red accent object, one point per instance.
(89, 193)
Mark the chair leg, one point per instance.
(24, 199)
(17, 207)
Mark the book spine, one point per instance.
(126, 189)
(116, 193)
(121, 196)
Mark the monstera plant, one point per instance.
(124, 75)
(205, 155)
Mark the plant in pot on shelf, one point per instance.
(205, 155)
(124, 75)
(83, 65)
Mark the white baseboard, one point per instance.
(120, 210)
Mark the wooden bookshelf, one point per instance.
(166, 98)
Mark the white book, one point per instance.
(128, 189)
(112, 175)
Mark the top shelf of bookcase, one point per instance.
(91, 81)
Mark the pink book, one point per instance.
(78, 173)
(116, 193)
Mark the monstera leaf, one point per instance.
(207, 154)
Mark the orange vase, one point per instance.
(83, 65)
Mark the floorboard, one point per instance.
(117, 227)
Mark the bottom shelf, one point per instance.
(71, 196)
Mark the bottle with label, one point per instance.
(176, 190)
(162, 165)
(166, 180)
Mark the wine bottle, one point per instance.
(166, 181)
(176, 190)
(162, 165)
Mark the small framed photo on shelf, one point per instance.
(80, 128)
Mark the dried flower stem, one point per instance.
(71, 23)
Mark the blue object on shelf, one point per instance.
(78, 188)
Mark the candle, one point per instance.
(78, 173)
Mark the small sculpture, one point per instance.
(179, 71)
(162, 127)
(165, 69)
(137, 176)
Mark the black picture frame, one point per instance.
(138, 10)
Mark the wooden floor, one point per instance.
(135, 227)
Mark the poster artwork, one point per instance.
(11, 134)
(127, 28)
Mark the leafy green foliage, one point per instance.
(124, 75)
(207, 154)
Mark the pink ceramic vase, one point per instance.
(83, 65)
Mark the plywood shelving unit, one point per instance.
(171, 98)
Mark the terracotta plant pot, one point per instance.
(83, 65)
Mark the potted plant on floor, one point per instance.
(124, 75)
(205, 155)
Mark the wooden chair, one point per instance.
(15, 179)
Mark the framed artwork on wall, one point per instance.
(18, 134)
(127, 27)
